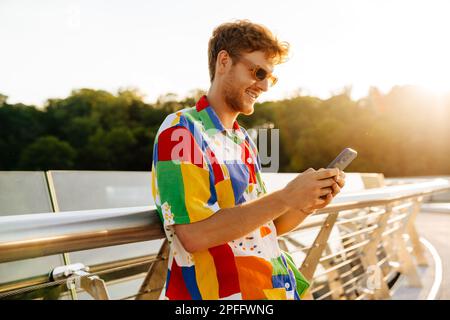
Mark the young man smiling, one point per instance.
(221, 223)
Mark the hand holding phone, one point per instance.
(342, 161)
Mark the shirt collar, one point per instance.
(211, 121)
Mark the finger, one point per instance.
(309, 170)
(328, 199)
(323, 202)
(336, 189)
(340, 182)
(327, 173)
(325, 191)
(326, 183)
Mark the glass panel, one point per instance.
(23, 269)
(24, 192)
(87, 190)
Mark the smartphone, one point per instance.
(343, 159)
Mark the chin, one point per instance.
(249, 111)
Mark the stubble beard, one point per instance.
(234, 98)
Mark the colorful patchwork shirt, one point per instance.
(198, 168)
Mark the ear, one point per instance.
(223, 62)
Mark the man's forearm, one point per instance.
(290, 220)
(230, 223)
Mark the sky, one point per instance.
(50, 47)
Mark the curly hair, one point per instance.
(244, 36)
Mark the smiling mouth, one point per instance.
(253, 95)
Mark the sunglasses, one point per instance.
(258, 72)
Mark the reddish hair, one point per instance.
(244, 36)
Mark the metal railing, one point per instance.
(370, 225)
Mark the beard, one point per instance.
(235, 98)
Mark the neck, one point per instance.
(217, 101)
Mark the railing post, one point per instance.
(418, 250)
(379, 289)
(156, 275)
(95, 286)
(334, 280)
(389, 244)
(315, 252)
(354, 227)
(407, 265)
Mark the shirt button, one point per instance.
(287, 285)
(249, 160)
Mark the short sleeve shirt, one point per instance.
(198, 168)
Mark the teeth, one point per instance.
(254, 96)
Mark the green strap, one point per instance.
(302, 283)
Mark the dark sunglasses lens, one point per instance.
(260, 74)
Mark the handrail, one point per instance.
(384, 195)
(36, 235)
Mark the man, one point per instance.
(221, 223)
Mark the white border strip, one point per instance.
(437, 269)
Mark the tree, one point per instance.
(48, 153)
(98, 130)
(19, 126)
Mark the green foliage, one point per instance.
(110, 150)
(404, 132)
(20, 125)
(48, 153)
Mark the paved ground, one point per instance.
(402, 290)
(435, 227)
